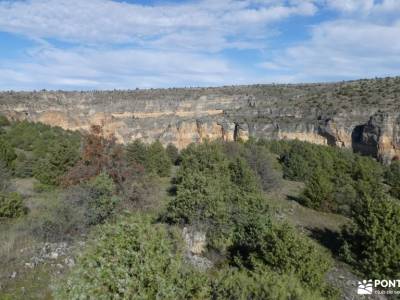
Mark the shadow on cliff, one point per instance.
(364, 140)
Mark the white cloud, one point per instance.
(345, 49)
(350, 6)
(369, 8)
(103, 21)
(124, 45)
(88, 68)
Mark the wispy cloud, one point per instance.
(189, 25)
(116, 68)
(362, 42)
(105, 44)
(123, 45)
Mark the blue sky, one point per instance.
(105, 44)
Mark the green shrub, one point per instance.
(231, 283)
(48, 152)
(202, 185)
(334, 177)
(368, 176)
(158, 160)
(142, 195)
(76, 208)
(264, 165)
(136, 152)
(318, 192)
(57, 160)
(259, 241)
(277, 147)
(214, 192)
(56, 220)
(7, 153)
(38, 137)
(295, 167)
(23, 165)
(393, 179)
(344, 195)
(260, 160)
(4, 121)
(242, 177)
(11, 205)
(371, 243)
(153, 157)
(4, 176)
(73, 210)
(133, 259)
(39, 187)
(173, 153)
(101, 199)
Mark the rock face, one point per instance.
(195, 240)
(196, 244)
(183, 116)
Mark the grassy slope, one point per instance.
(283, 202)
(18, 245)
(324, 227)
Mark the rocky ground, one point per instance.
(32, 275)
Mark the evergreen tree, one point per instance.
(11, 205)
(318, 191)
(136, 152)
(7, 153)
(372, 242)
(393, 179)
(158, 161)
(173, 153)
(4, 176)
(259, 242)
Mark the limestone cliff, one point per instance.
(316, 113)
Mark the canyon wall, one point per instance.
(184, 116)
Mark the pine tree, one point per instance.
(318, 191)
(372, 243)
(158, 161)
(393, 179)
(173, 153)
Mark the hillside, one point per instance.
(361, 115)
(82, 216)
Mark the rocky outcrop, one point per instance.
(379, 137)
(184, 116)
(195, 246)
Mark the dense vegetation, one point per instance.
(371, 242)
(223, 196)
(154, 158)
(93, 189)
(11, 205)
(358, 187)
(134, 259)
(38, 150)
(334, 178)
